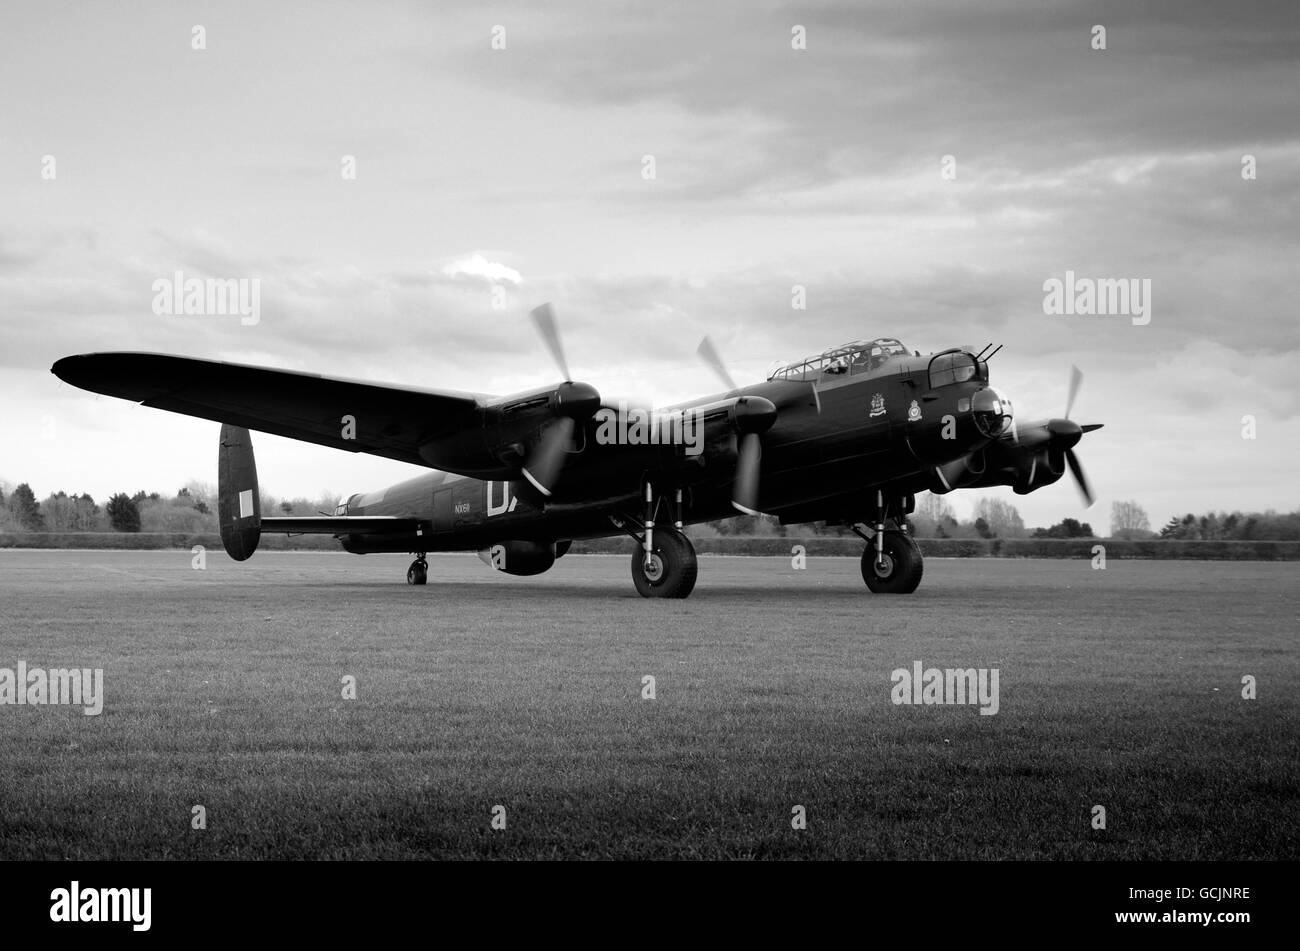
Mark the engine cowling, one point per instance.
(1023, 468)
(958, 474)
(1037, 469)
(519, 557)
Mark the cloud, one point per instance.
(479, 266)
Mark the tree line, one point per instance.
(192, 510)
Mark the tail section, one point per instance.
(239, 504)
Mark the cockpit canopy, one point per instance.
(863, 356)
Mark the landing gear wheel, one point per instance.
(672, 569)
(898, 571)
(418, 573)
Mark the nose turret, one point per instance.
(992, 412)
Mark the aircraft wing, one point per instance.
(390, 421)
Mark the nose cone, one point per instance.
(576, 400)
(754, 414)
(1065, 432)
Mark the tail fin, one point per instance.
(239, 504)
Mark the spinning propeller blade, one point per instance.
(1076, 380)
(1072, 460)
(1076, 470)
(745, 489)
(547, 459)
(544, 320)
(709, 354)
(755, 415)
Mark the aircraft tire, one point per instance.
(675, 564)
(418, 573)
(903, 561)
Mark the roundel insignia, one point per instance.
(913, 412)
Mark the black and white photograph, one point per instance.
(860, 435)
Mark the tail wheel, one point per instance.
(672, 569)
(898, 568)
(418, 573)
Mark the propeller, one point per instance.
(1076, 470)
(543, 465)
(1076, 380)
(1071, 435)
(1063, 434)
(709, 354)
(544, 320)
(754, 415)
(744, 492)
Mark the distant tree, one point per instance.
(933, 512)
(948, 527)
(982, 528)
(1001, 518)
(202, 495)
(934, 507)
(1066, 528)
(25, 509)
(124, 513)
(1129, 520)
(59, 511)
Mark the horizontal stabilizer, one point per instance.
(342, 525)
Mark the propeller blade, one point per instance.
(1076, 378)
(745, 491)
(709, 354)
(544, 320)
(547, 458)
(1076, 470)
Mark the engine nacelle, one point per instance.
(1038, 468)
(957, 474)
(1024, 469)
(713, 432)
(520, 557)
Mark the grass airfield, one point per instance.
(223, 688)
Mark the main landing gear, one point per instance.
(664, 565)
(418, 573)
(891, 562)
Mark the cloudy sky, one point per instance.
(773, 166)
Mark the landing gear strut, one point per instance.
(891, 562)
(418, 573)
(664, 564)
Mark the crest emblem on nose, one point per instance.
(877, 405)
(913, 412)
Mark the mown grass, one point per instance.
(1119, 687)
